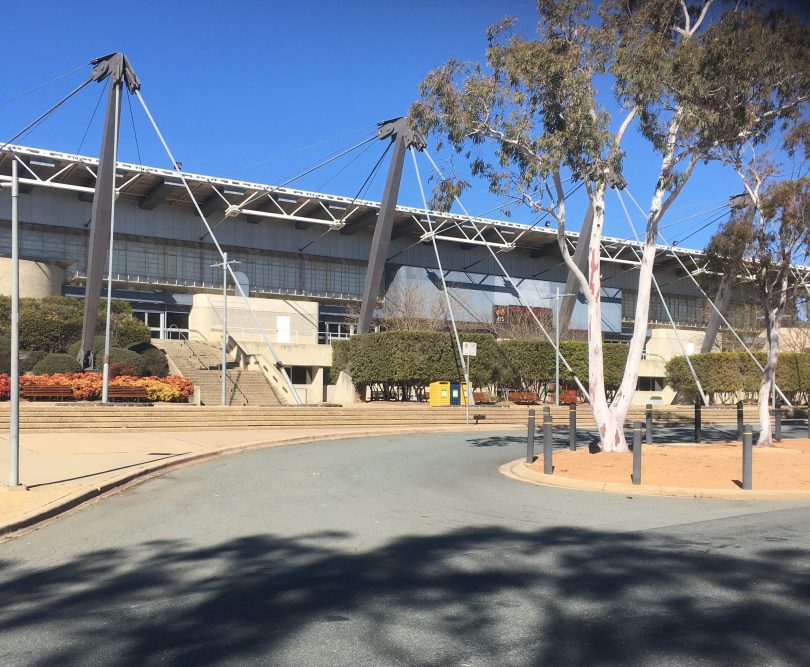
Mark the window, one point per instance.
(650, 384)
(299, 374)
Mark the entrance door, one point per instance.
(154, 319)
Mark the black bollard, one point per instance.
(748, 441)
(530, 439)
(698, 422)
(649, 423)
(572, 427)
(636, 453)
(777, 422)
(740, 418)
(548, 466)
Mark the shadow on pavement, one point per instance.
(490, 595)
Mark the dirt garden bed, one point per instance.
(785, 467)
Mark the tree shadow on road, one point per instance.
(483, 595)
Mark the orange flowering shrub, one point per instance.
(87, 386)
(5, 387)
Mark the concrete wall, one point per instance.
(37, 279)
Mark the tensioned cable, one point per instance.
(93, 115)
(711, 302)
(34, 123)
(517, 291)
(134, 130)
(299, 150)
(714, 220)
(663, 302)
(237, 283)
(276, 188)
(365, 184)
(360, 154)
(42, 85)
(459, 349)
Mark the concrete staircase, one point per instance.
(200, 362)
(82, 417)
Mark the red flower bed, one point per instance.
(87, 386)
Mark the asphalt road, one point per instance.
(404, 551)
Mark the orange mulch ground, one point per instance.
(781, 468)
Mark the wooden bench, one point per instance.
(481, 398)
(59, 392)
(127, 393)
(523, 397)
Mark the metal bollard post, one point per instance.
(548, 466)
(748, 440)
(530, 439)
(636, 453)
(572, 427)
(777, 419)
(698, 422)
(649, 424)
(740, 418)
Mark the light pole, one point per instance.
(14, 380)
(557, 296)
(224, 264)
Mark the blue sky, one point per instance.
(239, 88)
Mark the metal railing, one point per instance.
(184, 339)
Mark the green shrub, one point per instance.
(56, 363)
(97, 347)
(122, 362)
(31, 359)
(155, 362)
(127, 331)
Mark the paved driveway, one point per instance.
(408, 550)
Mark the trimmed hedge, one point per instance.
(399, 364)
(56, 363)
(723, 374)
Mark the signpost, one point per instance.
(468, 349)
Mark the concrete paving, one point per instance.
(404, 550)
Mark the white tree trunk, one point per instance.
(773, 330)
(721, 302)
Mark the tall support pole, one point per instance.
(581, 260)
(224, 390)
(14, 421)
(105, 380)
(118, 69)
(403, 137)
(557, 348)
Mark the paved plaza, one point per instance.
(401, 550)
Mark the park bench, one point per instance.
(127, 393)
(481, 398)
(523, 397)
(58, 392)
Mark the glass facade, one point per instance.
(684, 309)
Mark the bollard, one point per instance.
(698, 422)
(548, 467)
(649, 423)
(530, 439)
(777, 422)
(748, 440)
(636, 453)
(740, 420)
(572, 427)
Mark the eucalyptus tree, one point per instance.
(531, 118)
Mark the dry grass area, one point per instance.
(718, 466)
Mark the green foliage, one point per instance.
(56, 363)
(128, 331)
(31, 359)
(126, 362)
(410, 360)
(723, 374)
(155, 362)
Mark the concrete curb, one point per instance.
(518, 470)
(78, 498)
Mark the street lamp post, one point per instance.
(14, 418)
(224, 264)
(557, 296)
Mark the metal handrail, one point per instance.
(203, 365)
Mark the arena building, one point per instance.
(303, 259)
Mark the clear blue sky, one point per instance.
(234, 85)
